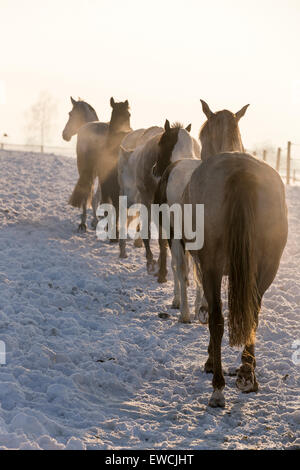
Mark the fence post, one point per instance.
(278, 159)
(264, 155)
(294, 175)
(288, 163)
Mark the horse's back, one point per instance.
(209, 180)
(91, 136)
(139, 137)
(93, 129)
(131, 140)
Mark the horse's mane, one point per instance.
(86, 108)
(177, 125)
(80, 100)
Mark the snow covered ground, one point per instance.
(91, 365)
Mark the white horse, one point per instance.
(136, 176)
(173, 179)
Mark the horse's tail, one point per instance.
(243, 300)
(83, 191)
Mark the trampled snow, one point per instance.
(91, 365)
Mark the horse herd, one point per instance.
(245, 214)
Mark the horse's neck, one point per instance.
(209, 149)
(184, 148)
(115, 129)
(90, 115)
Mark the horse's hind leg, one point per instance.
(146, 241)
(212, 289)
(115, 201)
(82, 225)
(201, 307)
(122, 241)
(246, 379)
(182, 273)
(138, 242)
(176, 299)
(149, 256)
(95, 203)
(163, 253)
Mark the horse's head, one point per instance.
(175, 143)
(120, 116)
(80, 114)
(220, 133)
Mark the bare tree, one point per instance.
(39, 119)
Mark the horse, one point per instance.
(100, 158)
(175, 141)
(127, 164)
(119, 135)
(91, 136)
(245, 233)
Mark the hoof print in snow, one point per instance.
(105, 360)
(164, 315)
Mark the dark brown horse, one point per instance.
(97, 156)
(245, 230)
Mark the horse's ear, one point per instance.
(73, 101)
(188, 128)
(167, 125)
(112, 102)
(205, 108)
(127, 103)
(241, 112)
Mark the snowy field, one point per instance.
(89, 363)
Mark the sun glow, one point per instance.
(161, 56)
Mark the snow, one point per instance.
(91, 365)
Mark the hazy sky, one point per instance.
(163, 56)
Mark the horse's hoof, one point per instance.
(217, 400)
(81, 228)
(162, 279)
(202, 315)
(123, 256)
(184, 319)
(246, 380)
(138, 243)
